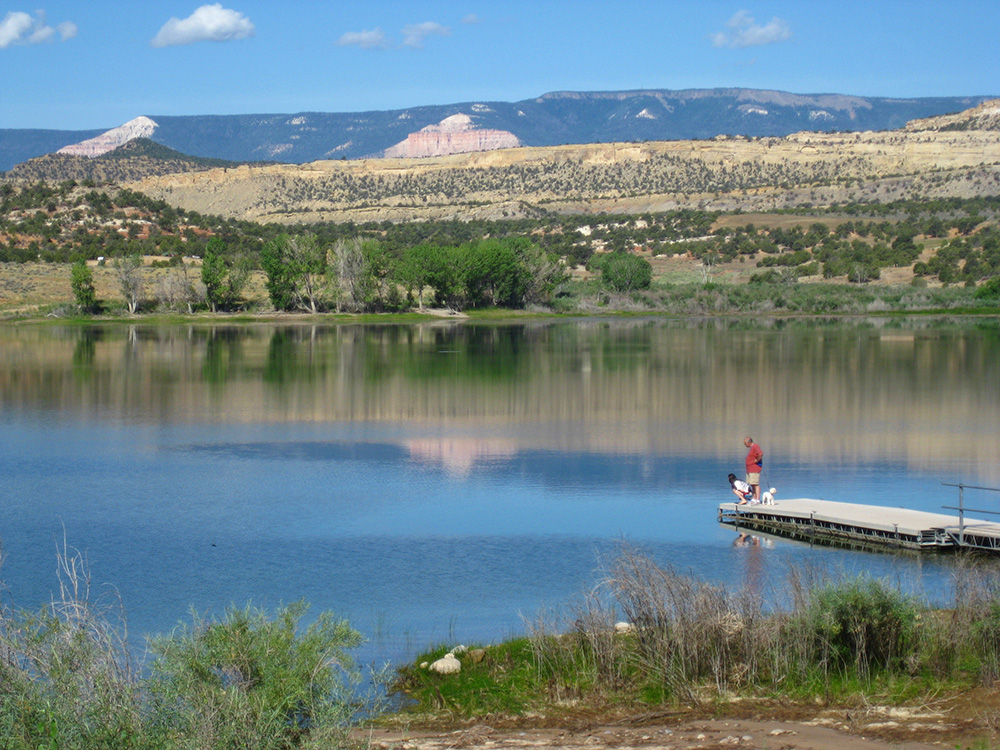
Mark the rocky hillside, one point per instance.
(930, 158)
(984, 117)
(130, 161)
(552, 119)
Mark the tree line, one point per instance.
(306, 274)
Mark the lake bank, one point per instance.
(856, 655)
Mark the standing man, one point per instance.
(755, 460)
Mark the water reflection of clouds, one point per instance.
(459, 455)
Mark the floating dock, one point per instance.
(863, 525)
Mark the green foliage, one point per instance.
(280, 283)
(247, 680)
(82, 283)
(224, 278)
(990, 290)
(509, 272)
(862, 624)
(624, 272)
(505, 681)
(250, 680)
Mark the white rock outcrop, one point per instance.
(457, 134)
(140, 127)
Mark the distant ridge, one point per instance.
(947, 157)
(561, 117)
(133, 160)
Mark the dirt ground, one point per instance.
(971, 720)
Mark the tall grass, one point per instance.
(691, 641)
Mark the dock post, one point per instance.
(961, 514)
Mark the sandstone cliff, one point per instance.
(453, 135)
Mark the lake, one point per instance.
(440, 482)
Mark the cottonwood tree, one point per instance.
(296, 268)
(128, 270)
(224, 278)
(174, 289)
(307, 260)
(359, 270)
(82, 283)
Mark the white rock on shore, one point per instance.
(447, 664)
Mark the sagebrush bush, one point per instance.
(249, 679)
(861, 624)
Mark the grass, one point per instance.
(694, 643)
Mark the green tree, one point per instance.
(224, 278)
(296, 268)
(415, 269)
(624, 272)
(213, 272)
(990, 290)
(493, 274)
(82, 283)
(279, 284)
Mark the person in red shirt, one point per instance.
(755, 460)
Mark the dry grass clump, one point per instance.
(687, 639)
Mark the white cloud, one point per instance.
(374, 39)
(415, 33)
(472, 18)
(744, 31)
(67, 30)
(20, 28)
(210, 23)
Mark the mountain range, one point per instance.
(548, 120)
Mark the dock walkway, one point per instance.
(854, 523)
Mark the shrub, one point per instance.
(67, 679)
(861, 625)
(82, 283)
(248, 680)
(624, 272)
(990, 290)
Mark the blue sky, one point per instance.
(80, 64)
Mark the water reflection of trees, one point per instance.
(830, 389)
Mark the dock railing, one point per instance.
(962, 509)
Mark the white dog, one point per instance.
(768, 497)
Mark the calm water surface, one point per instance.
(440, 482)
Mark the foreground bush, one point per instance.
(246, 680)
